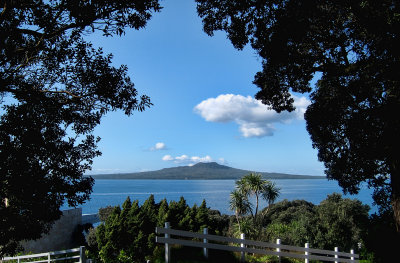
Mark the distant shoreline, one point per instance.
(200, 171)
(99, 177)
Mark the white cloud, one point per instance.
(254, 118)
(254, 129)
(197, 159)
(182, 158)
(158, 146)
(167, 158)
(189, 160)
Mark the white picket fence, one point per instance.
(74, 255)
(243, 246)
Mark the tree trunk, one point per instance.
(255, 214)
(237, 218)
(395, 183)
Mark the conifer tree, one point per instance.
(202, 215)
(162, 213)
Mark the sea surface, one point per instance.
(215, 192)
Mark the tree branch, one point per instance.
(4, 8)
(62, 91)
(29, 32)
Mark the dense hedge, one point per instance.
(127, 234)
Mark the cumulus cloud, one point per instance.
(254, 118)
(182, 158)
(197, 159)
(158, 146)
(189, 160)
(167, 158)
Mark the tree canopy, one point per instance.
(336, 221)
(127, 234)
(345, 55)
(54, 89)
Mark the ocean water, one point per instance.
(215, 192)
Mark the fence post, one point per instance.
(205, 250)
(352, 253)
(167, 248)
(242, 254)
(278, 249)
(336, 255)
(48, 258)
(82, 255)
(306, 246)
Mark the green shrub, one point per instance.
(128, 233)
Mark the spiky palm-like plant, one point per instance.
(240, 204)
(270, 193)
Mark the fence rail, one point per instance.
(242, 245)
(75, 254)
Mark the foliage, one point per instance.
(345, 54)
(286, 211)
(253, 184)
(270, 259)
(381, 242)
(270, 193)
(340, 222)
(91, 243)
(183, 254)
(336, 221)
(218, 224)
(295, 233)
(54, 89)
(240, 204)
(246, 226)
(128, 234)
(247, 186)
(105, 212)
(291, 221)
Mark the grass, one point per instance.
(181, 254)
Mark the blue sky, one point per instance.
(203, 109)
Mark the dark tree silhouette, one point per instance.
(351, 48)
(54, 89)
